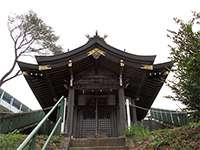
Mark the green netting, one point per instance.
(169, 117)
(19, 120)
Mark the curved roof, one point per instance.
(99, 42)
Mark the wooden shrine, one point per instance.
(96, 79)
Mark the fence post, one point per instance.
(172, 120)
(150, 119)
(128, 113)
(179, 121)
(161, 115)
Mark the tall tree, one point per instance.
(30, 36)
(185, 53)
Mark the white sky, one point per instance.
(137, 26)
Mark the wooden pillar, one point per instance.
(70, 112)
(70, 107)
(122, 112)
(121, 96)
(134, 114)
(74, 130)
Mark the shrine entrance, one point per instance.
(97, 118)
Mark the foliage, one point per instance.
(137, 131)
(184, 138)
(30, 36)
(12, 140)
(161, 137)
(185, 53)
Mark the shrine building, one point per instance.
(97, 81)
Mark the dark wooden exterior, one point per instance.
(97, 79)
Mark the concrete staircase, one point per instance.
(114, 143)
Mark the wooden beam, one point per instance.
(70, 112)
(70, 108)
(122, 113)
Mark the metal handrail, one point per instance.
(33, 133)
(52, 132)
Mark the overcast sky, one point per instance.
(137, 26)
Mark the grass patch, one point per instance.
(181, 138)
(137, 131)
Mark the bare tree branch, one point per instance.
(27, 43)
(23, 39)
(30, 35)
(9, 72)
(18, 73)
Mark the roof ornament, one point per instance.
(25, 73)
(105, 36)
(96, 53)
(96, 36)
(147, 67)
(87, 36)
(96, 33)
(44, 67)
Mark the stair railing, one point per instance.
(30, 139)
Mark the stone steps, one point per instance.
(100, 148)
(114, 143)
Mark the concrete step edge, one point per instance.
(100, 147)
(97, 142)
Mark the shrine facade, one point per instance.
(97, 81)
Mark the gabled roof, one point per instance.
(96, 42)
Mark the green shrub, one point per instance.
(138, 131)
(10, 141)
